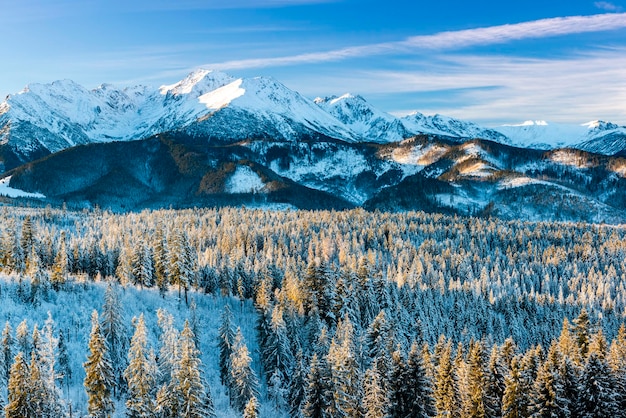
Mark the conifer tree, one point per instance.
(476, 382)
(582, 326)
(116, 335)
(243, 383)
(19, 400)
(513, 405)
(169, 351)
(161, 256)
(143, 266)
(6, 352)
(494, 384)
(617, 363)
(318, 395)
(182, 263)
(252, 408)
(345, 373)
(23, 338)
(548, 399)
(99, 379)
(445, 392)
(422, 404)
(226, 336)
(47, 360)
(374, 402)
(297, 385)
(140, 375)
(65, 371)
(597, 392)
(189, 389)
(61, 265)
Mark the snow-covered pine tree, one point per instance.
(143, 266)
(18, 405)
(182, 263)
(23, 338)
(547, 396)
(252, 408)
(99, 378)
(140, 374)
(374, 403)
(226, 337)
(318, 395)
(161, 257)
(445, 391)
(512, 400)
(169, 351)
(64, 369)
(47, 358)
(582, 330)
(420, 388)
(598, 395)
(114, 330)
(475, 382)
(6, 352)
(61, 265)
(188, 387)
(243, 383)
(345, 373)
(494, 384)
(617, 362)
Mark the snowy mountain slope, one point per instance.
(417, 123)
(262, 107)
(364, 119)
(46, 118)
(436, 174)
(596, 136)
(52, 117)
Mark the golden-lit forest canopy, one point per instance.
(485, 317)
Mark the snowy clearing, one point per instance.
(6, 190)
(244, 180)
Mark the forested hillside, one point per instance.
(236, 312)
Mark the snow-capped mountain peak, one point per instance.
(198, 82)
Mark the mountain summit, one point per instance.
(47, 118)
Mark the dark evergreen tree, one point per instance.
(445, 392)
(99, 378)
(6, 352)
(318, 395)
(494, 384)
(19, 399)
(598, 396)
(243, 383)
(374, 403)
(226, 335)
(116, 335)
(140, 375)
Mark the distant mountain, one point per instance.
(596, 136)
(46, 118)
(431, 173)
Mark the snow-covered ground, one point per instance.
(71, 311)
(244, 180)
(6, 190)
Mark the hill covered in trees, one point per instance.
(244, 312)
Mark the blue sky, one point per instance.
(486, 61)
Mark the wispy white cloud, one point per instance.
(607, 6)
(504, 89)
(543, 28)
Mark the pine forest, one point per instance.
(258, 313)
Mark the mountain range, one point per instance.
(212, 139)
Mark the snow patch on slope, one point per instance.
(221, 97)
(6, 190)
(244, 180)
